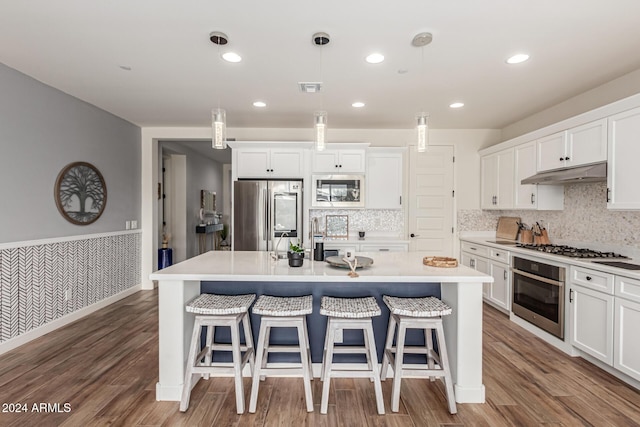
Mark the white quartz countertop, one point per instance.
(258, 266)
(578, 262)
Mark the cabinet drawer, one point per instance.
(628, 288)
(499, 255)
(592, 279)
(383, 248)
(475, 249)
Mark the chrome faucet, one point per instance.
(275, 256)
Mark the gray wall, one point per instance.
(41, 131)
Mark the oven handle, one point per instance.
(534, 277)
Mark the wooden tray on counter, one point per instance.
(440, 261)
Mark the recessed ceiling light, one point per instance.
(231, 57)
(456, 105)
(518, 58)
(375, 58)
(259, 104)
(358, 104)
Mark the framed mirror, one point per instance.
(208, 201)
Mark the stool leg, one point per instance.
(428, 341)
(397, 370)
(324, 352)
(444, 363)
(255, 383)
(326, 364)
(265, 354)
(304, 359)
(388, 346)
(237, 367)
(306, 337)
(370, 342)
(211, 330)
(191, 361)
(367, 346)
(248, 338)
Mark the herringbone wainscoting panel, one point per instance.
(41, 283)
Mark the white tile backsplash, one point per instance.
(375, 222)
(585, 218)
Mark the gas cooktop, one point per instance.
(572, 252)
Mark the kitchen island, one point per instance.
(398, 274)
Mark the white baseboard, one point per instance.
(64, 320)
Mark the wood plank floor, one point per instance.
(105, 368)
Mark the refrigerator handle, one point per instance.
(266, 216)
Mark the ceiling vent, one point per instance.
(310, 87)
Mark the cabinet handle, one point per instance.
(474, 249)
(336, 165)
(561, 158)
(588, 277)
(570, 295)
(505, 275)
(608, 195)
(566, 158)
(533, 198)
(498, 254)
(473, 263)
(340, 166)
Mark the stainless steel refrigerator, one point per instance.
(265, 212)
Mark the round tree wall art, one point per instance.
(80, 193)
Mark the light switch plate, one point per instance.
(127, 225)
(134, 224)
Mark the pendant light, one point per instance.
(218, 115)
(320, 117)
(422, 119)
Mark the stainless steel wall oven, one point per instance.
(538, 294)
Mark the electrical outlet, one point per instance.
(127, 225)
(67, 294)
(134, 224)
(339, 336)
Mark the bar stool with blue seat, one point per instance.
(350, 313)
(282, 312)
(416, 313)
(214, 311)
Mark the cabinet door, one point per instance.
(351, 161)
(384, 181)
(325, 161)
(552, 151)
(480, 264)
(525, 166)
(623, 174)
(506, 179)
(253, 163)
(286, 163)
(489, 182)
(592, 322)
(500, 294)
(626, 343)
(587, 143)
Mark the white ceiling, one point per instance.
(177, 76)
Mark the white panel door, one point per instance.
(431, 200)
(592, 322)
(627, 344)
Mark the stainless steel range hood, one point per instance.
(590, 173)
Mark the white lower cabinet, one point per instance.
(626, 345)
(494, 263)
(592, 322)
(605, 314)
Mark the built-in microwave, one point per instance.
(337, 191)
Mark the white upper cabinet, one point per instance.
(577, 146)
(384, 178)
(497, 180)
(623, 174)
(531, 196)
(269, 162)
(339, 161)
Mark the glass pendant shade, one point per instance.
(320, 129)
(219, 128)
(422, 131)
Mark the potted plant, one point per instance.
(296, 255)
